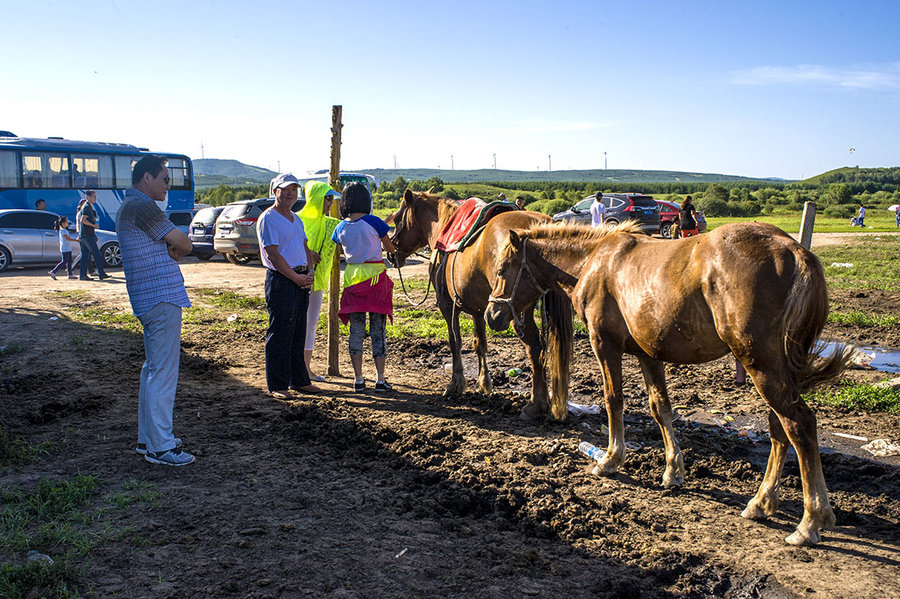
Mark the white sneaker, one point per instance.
(173, 457)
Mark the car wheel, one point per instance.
(666, 230)
(239, 259)
(5, 259)
(205, 256)
(611, 222)
(112, 255)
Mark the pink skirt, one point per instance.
(368, 296)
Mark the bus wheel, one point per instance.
(5, 259)
(239, 259)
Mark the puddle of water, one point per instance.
(885, 359)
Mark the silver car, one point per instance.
(28, 237)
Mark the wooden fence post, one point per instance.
(334, 285)
(807, 223)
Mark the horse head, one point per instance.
(516, 285)
(410, 227)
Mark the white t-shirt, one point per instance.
(361, 238)
(274, 229)
(598, 213)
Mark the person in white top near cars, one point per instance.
(598, 210)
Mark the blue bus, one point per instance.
(60, 171)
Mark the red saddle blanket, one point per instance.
(467, 222)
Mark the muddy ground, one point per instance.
(416, 495)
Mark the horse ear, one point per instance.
(430, 190)
(408, 195)
(515, 240)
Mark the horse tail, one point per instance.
(557, 331)
(806, 311)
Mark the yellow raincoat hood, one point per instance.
(318, 229)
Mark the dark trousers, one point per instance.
(286, 335)
(89, 248)
(66, 261)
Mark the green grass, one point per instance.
(854, 396)
(15, 451)
(874, 264)
(824, 224)
(66, 520)
(863, 320)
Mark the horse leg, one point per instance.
(458, 379)
(655, 379)
(539, 405)
(611, 365)
(799, 424)
(765, 502)
(484, 376)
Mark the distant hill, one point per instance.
(210, 172)
(577, 176)
(883, 178)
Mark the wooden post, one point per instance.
(807, 223)
(334, 285)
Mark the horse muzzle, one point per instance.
(498, 314)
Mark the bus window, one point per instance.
(90, 171)
(9, 175)
(124, 166)
(45, 170)
(179, 174)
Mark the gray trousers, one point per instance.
(377, 324)
(159, 376)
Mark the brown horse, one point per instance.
(462, 283)
(748, 289)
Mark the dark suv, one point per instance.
(235, 235)
(202, 229)
(619, 207)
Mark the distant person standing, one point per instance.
(502, 197)
(65, 247)
(88, 238)
(687, 218)
(897, 215)
(598, 210)
(151, 246)
(861, 216)
(41, 204)
(287, 258)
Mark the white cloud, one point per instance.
(867, 77)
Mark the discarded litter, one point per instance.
(232, 318)
(577, 408)
(633, 446)
(513, 372)
(854, 437)
(882, 448)
(34, 556)
(860, 358)
(842, 264)
(591, 451)
(54, 318)
(448, 367)
(405, 549)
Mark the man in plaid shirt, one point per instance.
(151, 246)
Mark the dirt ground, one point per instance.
(412, 494)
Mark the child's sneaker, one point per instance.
(52, 275)
(173, 457)
(383, 386)
(359, 386)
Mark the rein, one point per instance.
(508, 301)
(403, 286)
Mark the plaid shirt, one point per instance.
(151, 275)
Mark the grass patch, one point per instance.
(874, 264)
(854, 396)
(16, 451)
(824, 224)
(66, 520)
(863, 320)
(228, 300)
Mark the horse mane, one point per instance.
(566, 233)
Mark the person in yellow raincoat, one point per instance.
(319, 227)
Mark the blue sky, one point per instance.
(781, 89)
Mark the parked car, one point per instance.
(181, 219)
(668, 217)
(235, 235)
(202, 231)
(619, 207)
(28, 237)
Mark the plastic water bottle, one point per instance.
(591, 451)
(513, 372)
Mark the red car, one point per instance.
(668, 217)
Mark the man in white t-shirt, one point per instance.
(598, 210)
(289, 276)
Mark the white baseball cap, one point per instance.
(283, 180)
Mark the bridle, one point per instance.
(400, 272)
(508, 301)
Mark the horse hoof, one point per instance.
(605, 468)
(530, 413)
(800, 539)
(672, 481)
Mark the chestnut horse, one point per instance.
(747, 288)
(462, 283)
